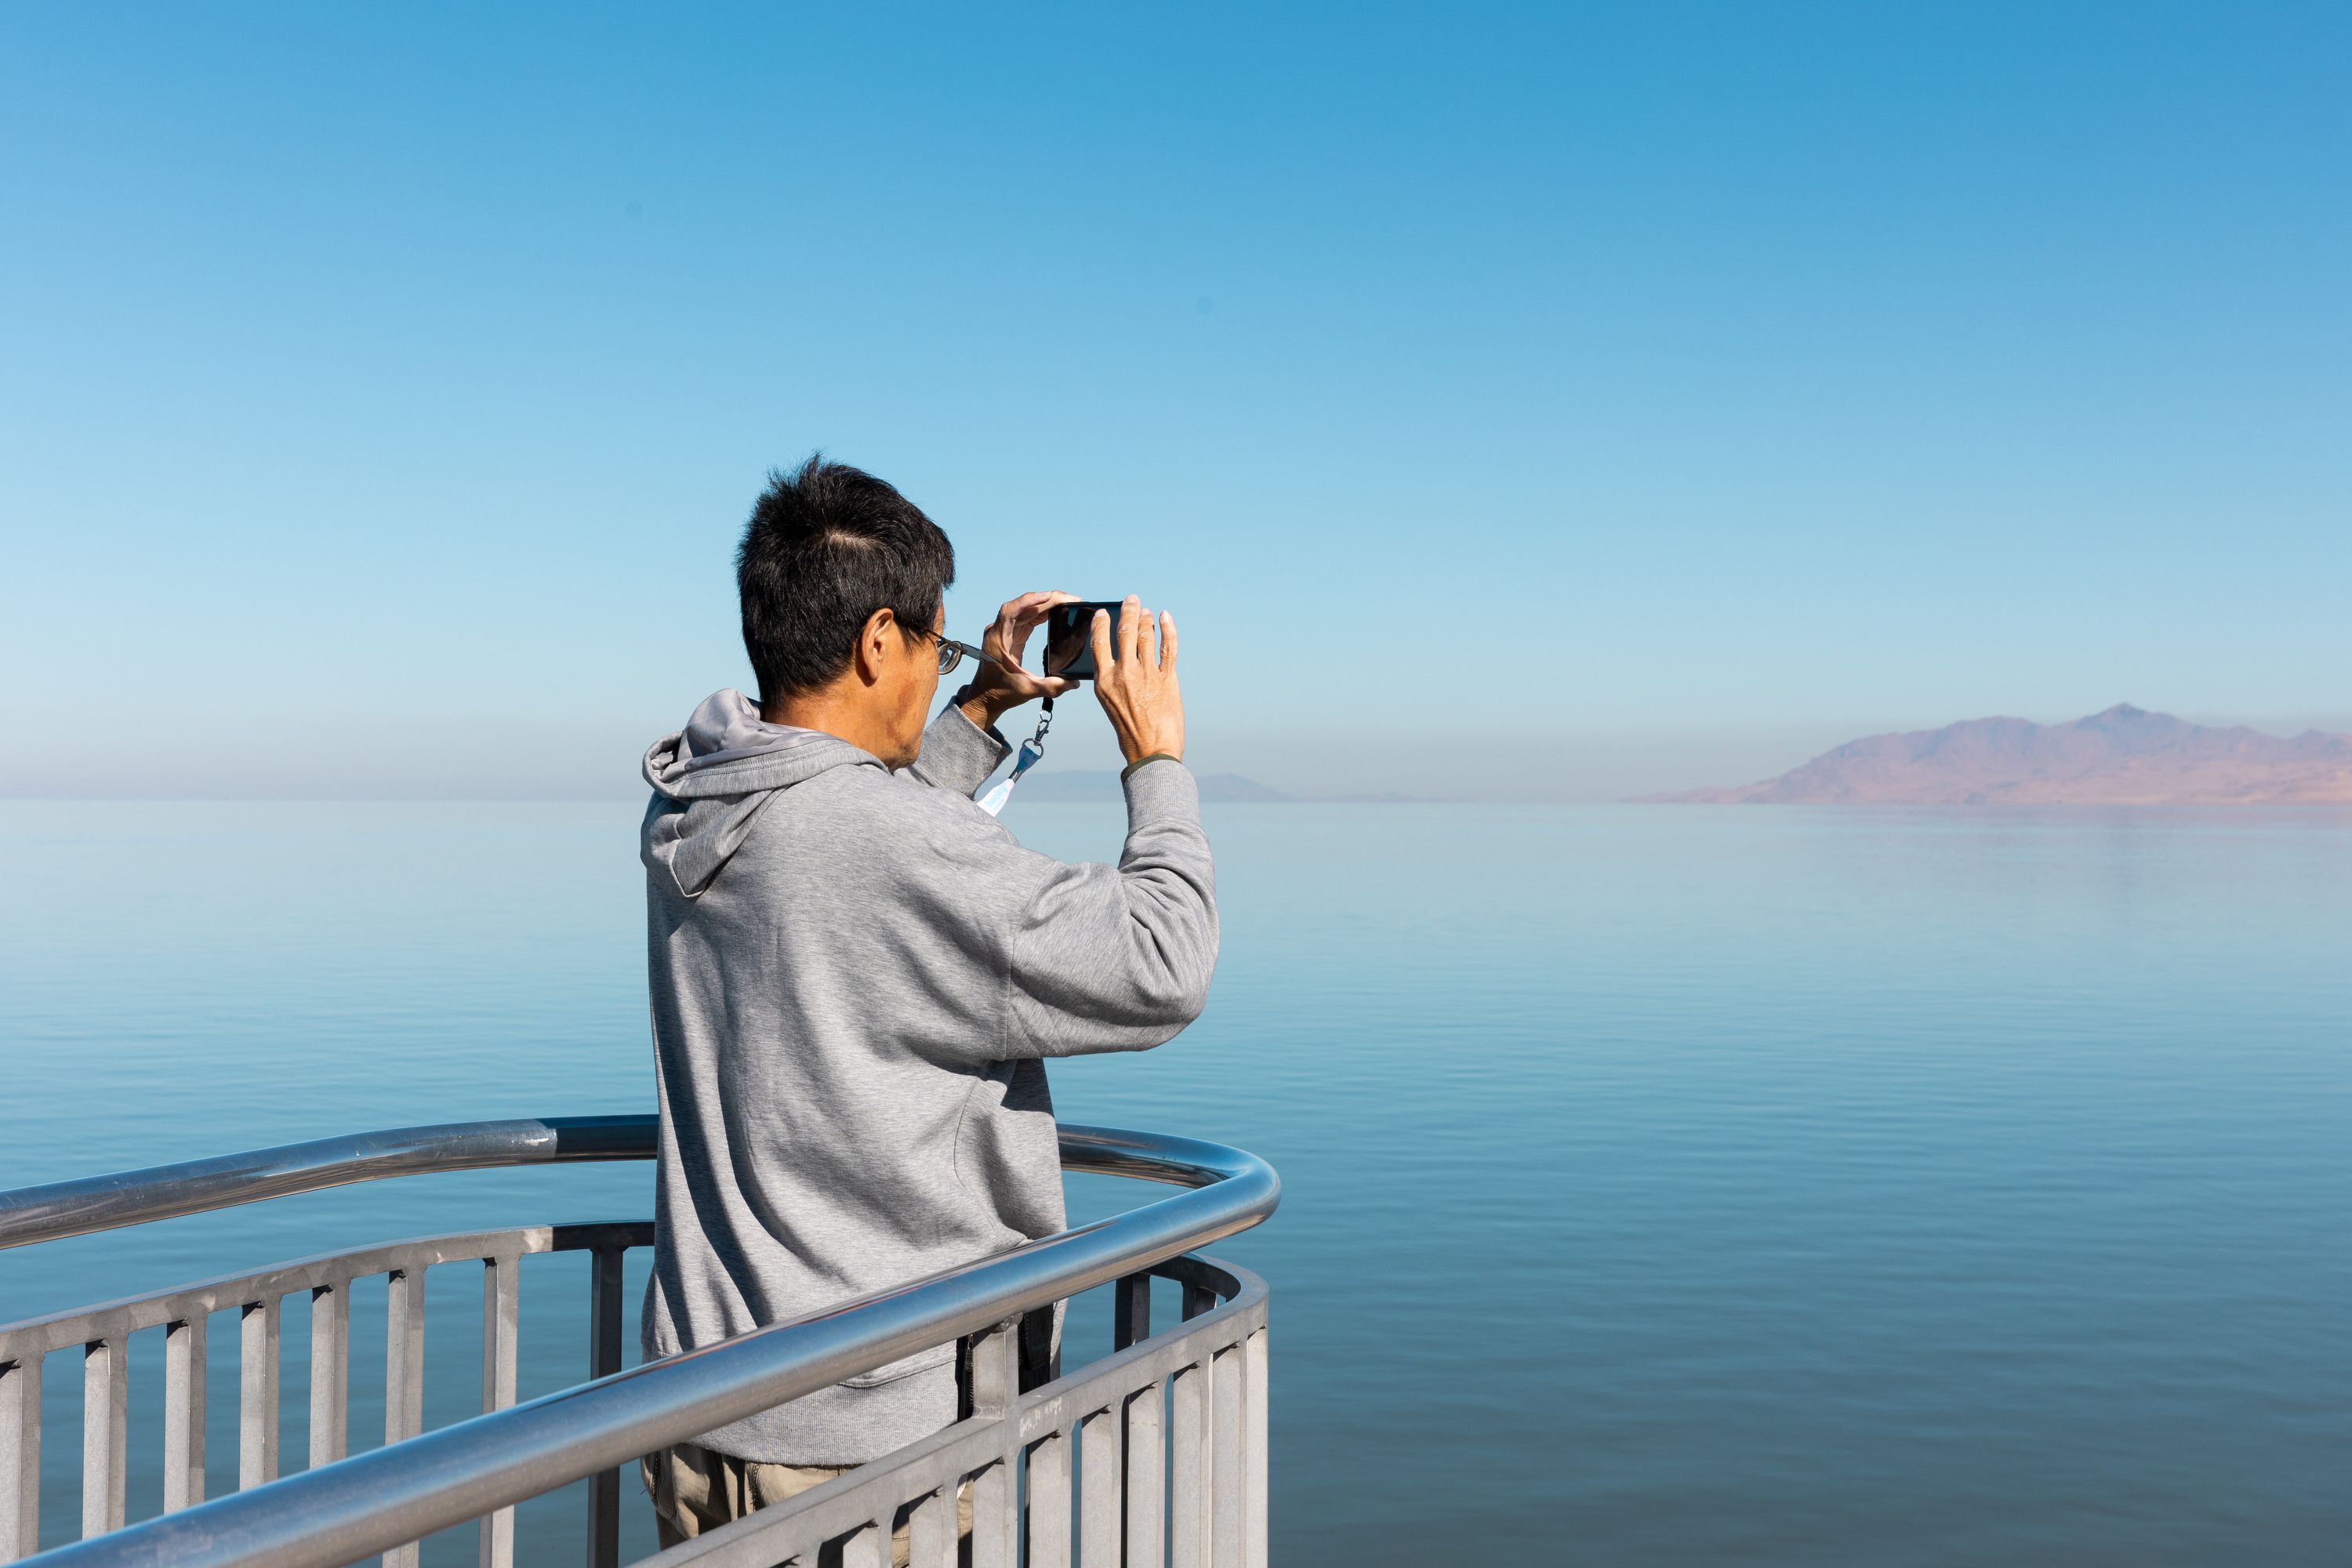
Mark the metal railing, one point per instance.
(1208, 1376)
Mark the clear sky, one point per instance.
(1549, 401)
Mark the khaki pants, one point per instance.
(695, 1490)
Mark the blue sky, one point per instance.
(1550, 402)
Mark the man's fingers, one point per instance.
(1034, 608)
(1167, 643)
(1099, 638)
(1018, 618)
(1013, 635)
(1130, 629)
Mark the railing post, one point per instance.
(869, 1547)
(501, 1303)
(1130, 1322)
(20, 1457)
(1188, 1402)
(257, 1393)
(1137, 1430)
(404, 1375)
(604, 1359)
(330, 1374)
(183, 1412)
(1228, 1519)
(931, 1530)
(105, 1409)
(1049, 1502)
(1254, 1377)
(995, 1383)
(1147, 1480)
(1098, 1489)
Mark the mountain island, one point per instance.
(2124, 756)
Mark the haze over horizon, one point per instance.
(1510, 404)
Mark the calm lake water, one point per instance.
(1664, 1185)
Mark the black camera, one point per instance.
(1069, 638)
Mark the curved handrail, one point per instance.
(344, 1512)
(59, 1209)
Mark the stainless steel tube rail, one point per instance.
(60, 1209)
(342, 1511)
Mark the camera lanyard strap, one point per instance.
(1031, 750)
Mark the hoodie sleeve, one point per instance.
(1119, 958)
(958, 754)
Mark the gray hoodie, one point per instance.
(856, 975)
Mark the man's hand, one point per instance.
(997, 689)
(1136, 681)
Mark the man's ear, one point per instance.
(880, 626)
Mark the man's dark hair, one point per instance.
(828, 545)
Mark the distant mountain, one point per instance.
(2124, 756)
(1102, 786)
(1091, 784)
(1385, 797)
(1233, 786)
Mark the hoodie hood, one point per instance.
(712, 779)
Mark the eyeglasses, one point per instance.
(951, 653)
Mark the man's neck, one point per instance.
(834, 712)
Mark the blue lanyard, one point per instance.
(1031, 750)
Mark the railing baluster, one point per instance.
(1049, 1502)
(1098, 1489)
(404, 1375)
(501, 1303)
(1207, 1456)
(257, 1393)
(183, 1412)
(1198, 1298)
(931, 1530)
(1188, 1413)
(869, 1548)
(995, 1380)
(331, 1372)
(604, 1360)
(105, 1411)
(404, 1355)
(1255, 1395)
(1130, 1322)
(1147, 1481)
(995, 1518)
(20, 1457)
(1228, 1517)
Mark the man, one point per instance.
(856, 973)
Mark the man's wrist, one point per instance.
(982, 708)
(1129, 771)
